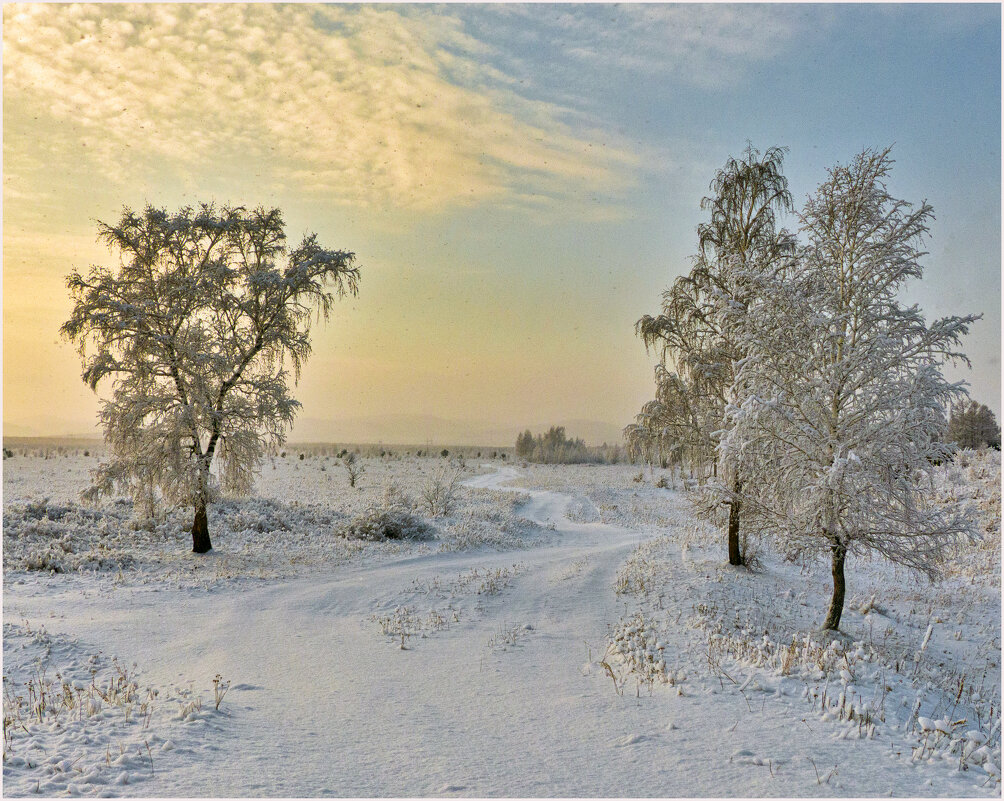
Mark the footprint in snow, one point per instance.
(247, 687)
(632, 739)
(452, 788)
(746, 757)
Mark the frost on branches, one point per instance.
(195, 329)
(838, 408)
(740, 239)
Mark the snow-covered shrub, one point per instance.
(957, 743)
(353, 467)
(395, 497)
(807, 655)
(381, 523)
(441, 492)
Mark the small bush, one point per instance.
(395, 498)
(441, 493)
(377, 524)
(353, 467)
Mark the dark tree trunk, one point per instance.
(735, 554)
(837, 603)
(200, 531)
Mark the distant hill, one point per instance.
(50, 428)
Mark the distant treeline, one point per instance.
(972, 425)
(369, 450)
(50, 447)
(555, 447)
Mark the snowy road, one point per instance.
(323, 703)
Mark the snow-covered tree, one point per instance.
(741, 238)
(675, 426)
(195, 328)
(838, 414)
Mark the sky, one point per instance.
(519, 182)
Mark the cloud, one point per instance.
(367, 105)
(708, 46)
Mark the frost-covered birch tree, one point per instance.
(839, 399)
(196, 328)
(741, 238)
(675, 426)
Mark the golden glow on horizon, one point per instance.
(367, 118)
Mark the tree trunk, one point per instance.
(200, 530)
(735, 555)
(837, 603)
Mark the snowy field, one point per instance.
(556, 631)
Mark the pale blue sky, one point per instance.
(520, 182)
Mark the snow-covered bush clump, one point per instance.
(582, 510)
(265, 516)
(386, 523)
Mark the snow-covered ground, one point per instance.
(577, 636)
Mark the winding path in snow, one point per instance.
(324, 704)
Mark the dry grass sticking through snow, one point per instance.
(916, 662)
(82, 724)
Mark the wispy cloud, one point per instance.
(709, 46)
(366, 105)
